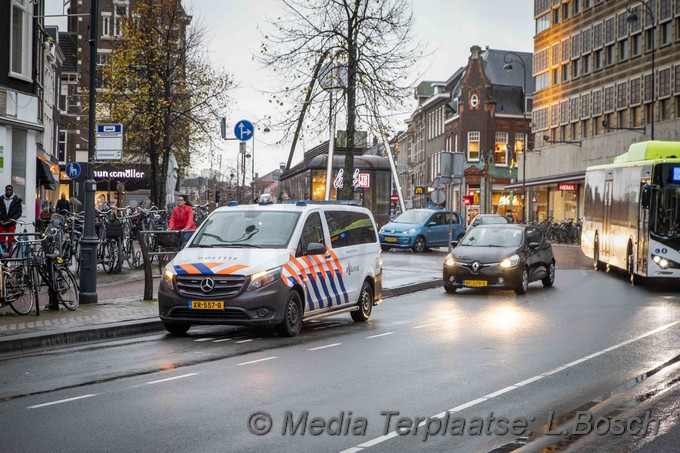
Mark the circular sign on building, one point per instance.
(394, 198)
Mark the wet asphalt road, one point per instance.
(517, 357)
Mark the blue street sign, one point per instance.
(112, 129)
(244, 130)
(73, 170)
(429, 205)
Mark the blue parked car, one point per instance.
(419, 229)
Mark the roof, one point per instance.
(494, 63)
(426, 88)
(68, 44)
(649, 150)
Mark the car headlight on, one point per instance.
(507, 263)
(168, 278)
(411, 231)
(449, 261)
(261, 279)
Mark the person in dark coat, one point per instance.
(10, 211)
(63, 204)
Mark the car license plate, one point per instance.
(206, 305)
(391, 239)
(475, 283)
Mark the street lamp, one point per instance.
(508, 58)
(266, 130)
(89, 241)
(632, 18)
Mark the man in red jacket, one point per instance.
(182, 217)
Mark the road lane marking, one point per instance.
(245, 341)
(221, 340)
(424, 325)
(62, 401)
(380, 335)
(510, 388)
(257, 361)
(198, 340)
(172, 378)
(324, 347)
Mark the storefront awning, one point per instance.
(44, 175)
(569, 177)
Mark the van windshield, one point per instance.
(255, 229)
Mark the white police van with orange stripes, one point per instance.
(274, 265)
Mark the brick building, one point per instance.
(596, 92)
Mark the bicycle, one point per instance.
(16, 290)
(48, 269)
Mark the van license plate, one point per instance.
(475, 283)
(206, 305)
(391, 239)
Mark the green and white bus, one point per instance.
(632, 212)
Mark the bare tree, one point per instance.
(159, 84)
(362, 49)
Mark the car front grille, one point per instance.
(225, 285)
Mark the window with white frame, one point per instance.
(61, 151)
(20, 39)
(63, 98)
(500, 153)
(473, 146)
(106, 24)
(120, 13)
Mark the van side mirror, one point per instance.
(646, 196)
(454, 243)
(315, 248)
(534, 245)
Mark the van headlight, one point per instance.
(507, 263)
(168, 278)
(261, 279)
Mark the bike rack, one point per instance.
(148, 255)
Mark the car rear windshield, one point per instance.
(412, 217)
(257, 229)
(493, 237)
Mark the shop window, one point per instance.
(473, 146)
(501, 149)
(19, 162)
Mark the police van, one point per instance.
(274, 265)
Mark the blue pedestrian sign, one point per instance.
(429, 205)
(244, 130)
(73, 170)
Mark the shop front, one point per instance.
(554, 199)
(371, 175)
(117, 184)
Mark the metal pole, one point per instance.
(653, 74)
(524, 183)
(88, 243)
(252, 171)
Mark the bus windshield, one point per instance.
(667, 221)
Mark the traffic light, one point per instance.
(223, 127)
(217, 197)
(467, 200)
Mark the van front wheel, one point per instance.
(292, 316)
(363, 314)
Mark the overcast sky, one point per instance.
(448, 27)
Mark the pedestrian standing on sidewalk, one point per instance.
(182, 217)
(10, 211)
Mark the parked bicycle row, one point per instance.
(566, 231)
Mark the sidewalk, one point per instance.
(121, 312)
